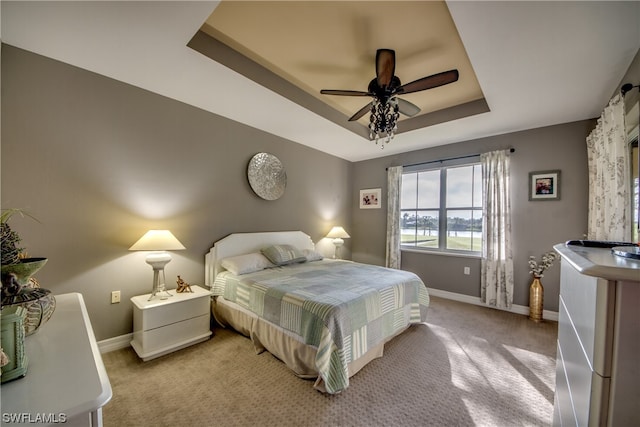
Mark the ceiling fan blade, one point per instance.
(429, 82)
(344, 92)
(407, 108)
(385, 66)
(361, 112)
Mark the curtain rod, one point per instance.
(511, 150)
(627, 87)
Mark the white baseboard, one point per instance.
(124, 341)
(518, 309)
(115, 343)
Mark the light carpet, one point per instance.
(467, 366)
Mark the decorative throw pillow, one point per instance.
(283, 254)
(312, 255)
(244, 264)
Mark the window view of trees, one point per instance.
(420, 229)
(442, 209)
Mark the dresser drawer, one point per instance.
(577, 368)
(563, 414)
(588, 303)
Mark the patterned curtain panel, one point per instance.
(496, 276)
(394, 184)
(609, 160)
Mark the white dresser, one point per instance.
(66, 382)
(161, 326)
(598, 356)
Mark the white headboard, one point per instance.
(245, 243)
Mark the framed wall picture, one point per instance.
(370, 198)
(544, 185)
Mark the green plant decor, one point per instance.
(10, 239)
(18, 285)
(17, 268)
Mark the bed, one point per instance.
(324, 318)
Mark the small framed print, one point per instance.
(544, 185)
(370, 198)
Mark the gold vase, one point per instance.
(536, 300)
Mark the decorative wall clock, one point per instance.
(267, 176)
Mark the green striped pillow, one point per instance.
(283, 254)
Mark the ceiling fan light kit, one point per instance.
(383, 120)
(386, 107)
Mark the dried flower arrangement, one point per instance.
(547, 260)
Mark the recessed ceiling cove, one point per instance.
(299, 48)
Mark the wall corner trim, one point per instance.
(518, 309)
(115, 343)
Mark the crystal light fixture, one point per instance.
(386, 108)
(383, 121)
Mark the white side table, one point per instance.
(66, 382)
(161, 326)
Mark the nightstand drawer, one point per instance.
(163, 315)
(167, 337)
(161, 326)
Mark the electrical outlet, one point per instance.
(467, 271)
(115, 297)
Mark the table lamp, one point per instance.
(337, 234)
(158, 241)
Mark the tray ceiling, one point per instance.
(332, 45)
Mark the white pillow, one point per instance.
(312, 255)
(244, 264)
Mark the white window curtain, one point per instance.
(496, 276)
(394, 188)
(608, 157)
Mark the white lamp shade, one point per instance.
(157, 240)
(338, 233)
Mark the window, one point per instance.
(441, 208)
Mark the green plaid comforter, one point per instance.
(341, 307)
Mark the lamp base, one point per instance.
(163, 297)
(338, 242)
(159, 292)
(157, 260)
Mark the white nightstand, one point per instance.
(163, 326)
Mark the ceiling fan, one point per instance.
(386, 107)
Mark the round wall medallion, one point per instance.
(267, 176)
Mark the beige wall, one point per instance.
(536, 226)
(100, 162)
